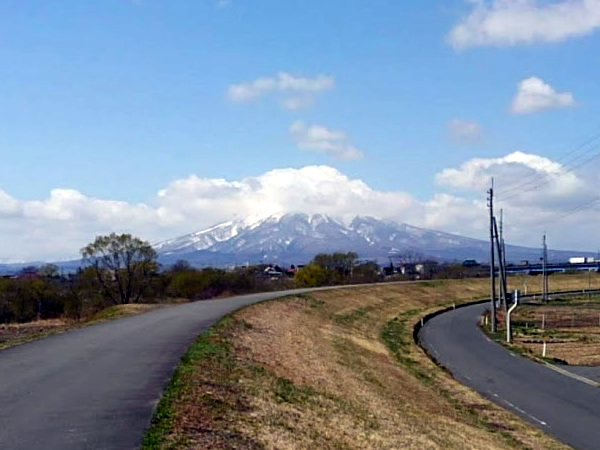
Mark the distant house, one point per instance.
(273, 271)
(426, 269)
(28, 275)
(408, 269)
(470, 263)
(389, 270)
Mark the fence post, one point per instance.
(543, 321)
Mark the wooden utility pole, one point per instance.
(501, 269)
(545, 270)
(492, 263)
(503, 247)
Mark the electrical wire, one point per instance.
(549, 178)
(535, 182)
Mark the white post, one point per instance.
(544, 350)
(508, 314)
(543, 321)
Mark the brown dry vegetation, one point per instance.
(334, 369)
(20, 333)
(571, 330)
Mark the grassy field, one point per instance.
(334, 369)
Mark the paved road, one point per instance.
(96, 387)
(564, 407)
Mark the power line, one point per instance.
(595, 136)
(561, 215)
(543, 178)
(577, 209)
(549, 178)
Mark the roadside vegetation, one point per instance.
(334, 369)
(122, 270)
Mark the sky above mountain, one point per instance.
(160, 118)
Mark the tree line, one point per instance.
(122, 269)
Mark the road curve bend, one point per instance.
(564, 407)
(96, 387)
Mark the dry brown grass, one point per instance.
(571, 330)
(20, 333)
(313, 372)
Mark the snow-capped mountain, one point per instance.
(297, 238)
(204, 239)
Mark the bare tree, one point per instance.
(124, 266)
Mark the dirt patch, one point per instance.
(570, 329)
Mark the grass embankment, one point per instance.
(333, 369)
(570, 327)
(20, 333)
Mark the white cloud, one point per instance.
(465, 131)
(299, 102)
(535, 95)
(9, 206)
(321, 139)
(293, 92)
(513, 22)
(537, 195)
(517, 168)
(456, 215)
(58, 226)
(311, 189)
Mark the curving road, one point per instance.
(563, 406)
(96, 387)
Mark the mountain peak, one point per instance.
(297, 237)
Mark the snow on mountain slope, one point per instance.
(205, 239)
(298, 237)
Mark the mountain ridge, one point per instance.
(298, 237)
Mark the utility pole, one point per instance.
(501, 270)
(545, 270)
(492, 263)
(503, 247)
(547, 278)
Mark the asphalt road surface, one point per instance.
(96, 387)
(564, 407)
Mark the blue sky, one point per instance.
(158, 117)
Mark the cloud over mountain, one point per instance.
(534, 191)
